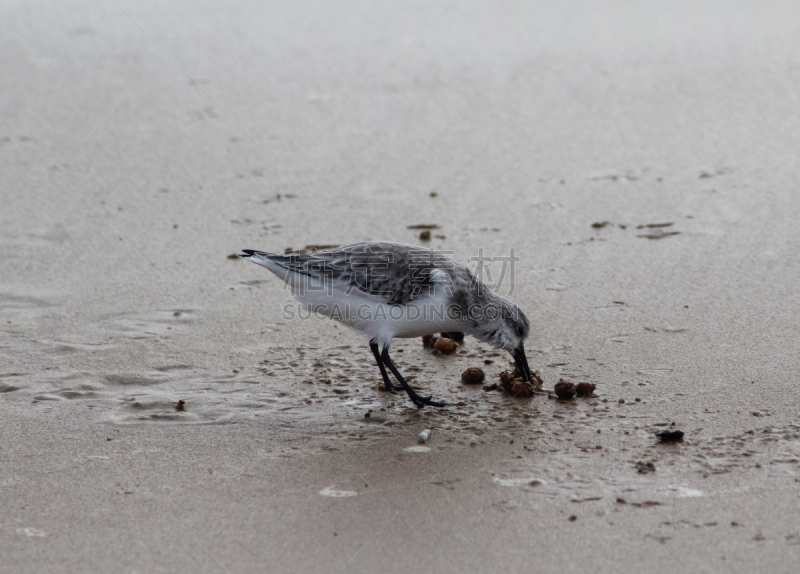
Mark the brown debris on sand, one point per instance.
(456, 336)
(473, 376)
(429, 340)
(645, 467)
(320, 247)
(445, 346)
(447, 343)
(310, 248)
(659, 234)
(522, 389)
(513, 384)
(670, 436)
(565, 390)
(656, 230)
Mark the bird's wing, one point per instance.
(389, 272)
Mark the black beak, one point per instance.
(522, 363)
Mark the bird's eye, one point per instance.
(520, 330)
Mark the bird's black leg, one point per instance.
(415, 398)
(389, 386)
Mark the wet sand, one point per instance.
(639, 160)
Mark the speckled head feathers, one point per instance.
(501, 324)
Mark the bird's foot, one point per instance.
(388, 388)
(423, 401)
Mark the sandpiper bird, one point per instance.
(389, 290)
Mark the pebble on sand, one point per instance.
(445, 346)
(473, 376)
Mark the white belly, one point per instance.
(384, 322)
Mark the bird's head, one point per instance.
(503, 325)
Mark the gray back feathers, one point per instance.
(391, 272)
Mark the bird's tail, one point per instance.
(287, 267)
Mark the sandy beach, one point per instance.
(638, 160)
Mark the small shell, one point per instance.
(424, 435)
